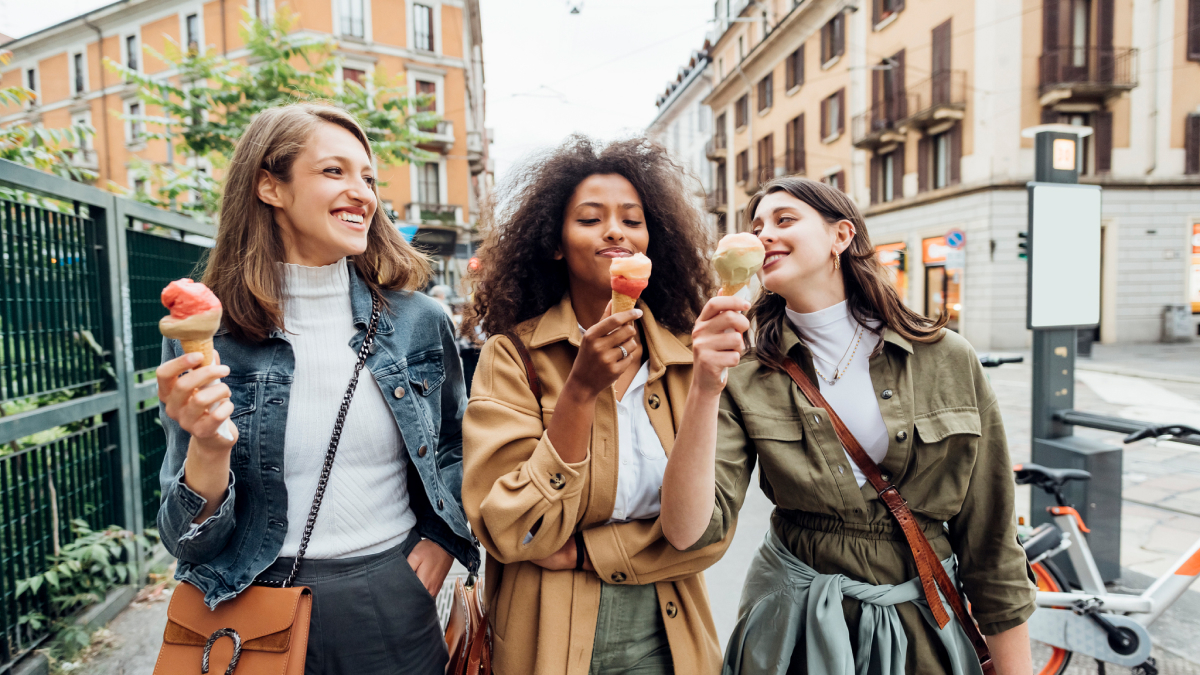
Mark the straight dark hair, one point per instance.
(870, 295)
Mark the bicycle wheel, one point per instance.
(1048, 660)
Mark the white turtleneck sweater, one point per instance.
(365, 509)
(828, 334)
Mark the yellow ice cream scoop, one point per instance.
(738, 258)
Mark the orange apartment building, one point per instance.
(435, 46)
(916, 107)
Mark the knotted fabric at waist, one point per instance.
(883, 530)
(785, 601)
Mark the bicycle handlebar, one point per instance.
(990, 361)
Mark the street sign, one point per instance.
(956, 259)
(956, 238)
(1064, 255)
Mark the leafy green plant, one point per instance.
(80, 575)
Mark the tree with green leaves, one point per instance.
(213, 99)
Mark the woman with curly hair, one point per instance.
(574, 410)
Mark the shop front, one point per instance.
(894, 258)
(943, 285)
(1195, 269)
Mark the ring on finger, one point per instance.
(624, 352)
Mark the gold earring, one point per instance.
(837, 261)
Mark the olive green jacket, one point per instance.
(947, 454)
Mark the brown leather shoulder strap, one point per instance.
(929, 568)
(535, 385)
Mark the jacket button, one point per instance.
(902, 436)
(399, 393)
(672, 610)
(618, 577)
(558, 482)
(887, 393)
(654, 401)
(440, 505)
(425, 386)
(422, 450)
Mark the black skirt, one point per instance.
(371, 615)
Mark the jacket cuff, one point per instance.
(555, 478)
(715, 531)
(608, 556)
(181, 506)
(1019, 617)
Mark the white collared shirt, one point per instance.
(643, 459)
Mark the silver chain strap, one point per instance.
(363, 351)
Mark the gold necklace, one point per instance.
(838, 375)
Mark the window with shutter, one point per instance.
(1193, 30)
(1102, 124)
(955, 134)
(766, 92)
(923, 151)
(741, 111)
(743, 166)
(794, 76)
(1191, 144)
(876, 175)
(840, 97)
(898, 172)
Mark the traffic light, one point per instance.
(1023, 245)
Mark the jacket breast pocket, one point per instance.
(945, 454)
(783, 459)
(244, 396)
(426, 372)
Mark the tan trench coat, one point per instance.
(543, 621)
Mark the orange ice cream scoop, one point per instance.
(629, 277)
(195, 316)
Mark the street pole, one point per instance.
(1057, 152)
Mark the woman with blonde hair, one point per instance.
(304, 261)
(573, 412)
(890, 469)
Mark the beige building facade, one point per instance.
(916, 107)
(434, 46)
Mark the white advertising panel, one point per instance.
(1064, 255)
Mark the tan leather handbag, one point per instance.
(267, 627)
(468, 635)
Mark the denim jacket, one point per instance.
(414, 352)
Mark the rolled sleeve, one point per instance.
(180, 507)
(636, 552)
(735, 459)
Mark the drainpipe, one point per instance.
(224, 47)
(103, 97)
(1156, 20)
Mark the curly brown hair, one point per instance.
(518, 277)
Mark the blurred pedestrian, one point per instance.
(561, 479)
(441, 293)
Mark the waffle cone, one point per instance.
(732, 289)
(622, 302)
(204, 347)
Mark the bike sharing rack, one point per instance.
(1064, 296)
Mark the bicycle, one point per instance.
(1109, 627)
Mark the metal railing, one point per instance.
(716, 200)
(868, 126)
(1101, 70)
(929, 98)
(715, 148)
(79, 434)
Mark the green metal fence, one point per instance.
(79, 433)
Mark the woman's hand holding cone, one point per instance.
(717, 342)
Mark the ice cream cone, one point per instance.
(204, 347)
(732, 289)
(622, 302)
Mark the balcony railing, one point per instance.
(714, 149)
(877, 125)
(941, 97)
(1089, 71)
(438, 136)
(444, 214)
(760, 175)
(717, 200)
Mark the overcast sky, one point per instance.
(549, 72)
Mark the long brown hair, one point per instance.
(518, 277)
(243, 269)
(870, 295)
